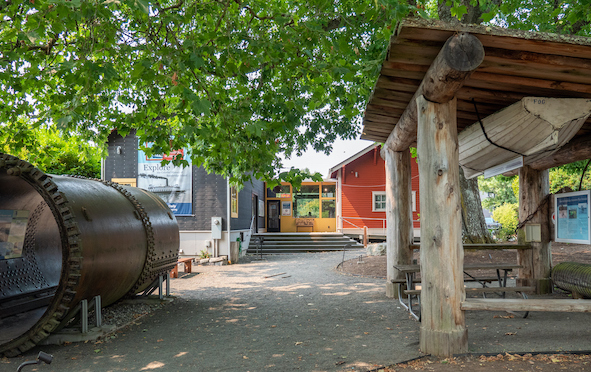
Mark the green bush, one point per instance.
(508, 216)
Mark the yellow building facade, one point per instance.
(312, 208)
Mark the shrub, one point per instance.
(508, 216)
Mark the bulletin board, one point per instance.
(572, 217)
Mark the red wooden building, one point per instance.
(361, 194)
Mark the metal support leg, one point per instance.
(84, 315)
(98, 311)
(167, 284)
(160, 292)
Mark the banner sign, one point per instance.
(171, 183)
(572, 222)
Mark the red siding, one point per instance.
(361, 177)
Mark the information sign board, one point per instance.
(572, 217)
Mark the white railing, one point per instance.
(247, 235)
(348, 220)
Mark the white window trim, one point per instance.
(373, 201)
(414, 201)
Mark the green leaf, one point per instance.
(201, 106)
(142, 5)
(487, 17)
(458, 11)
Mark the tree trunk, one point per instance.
(474, 228)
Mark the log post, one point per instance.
(399, 229)
(458, 58)
(443, 325)
(534, 188)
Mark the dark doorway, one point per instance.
(273, 216)
(255, 213)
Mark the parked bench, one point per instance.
(188, 261)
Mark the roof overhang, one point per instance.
(516, 64)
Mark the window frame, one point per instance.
(373, 201)
(233, 202)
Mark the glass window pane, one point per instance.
(328, 191)
(328, 208)
(285, 191)
(306, 202)
(309, 191)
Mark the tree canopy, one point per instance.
(237, 82)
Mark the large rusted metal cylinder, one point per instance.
(65, 239)
(573, 277)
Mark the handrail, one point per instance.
(248, 235)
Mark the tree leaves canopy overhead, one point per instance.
(236, 82)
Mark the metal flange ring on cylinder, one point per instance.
(83, 238)
(71, 252)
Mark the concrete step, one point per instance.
(276, 243)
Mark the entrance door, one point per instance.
(273, 216)
(255, 212)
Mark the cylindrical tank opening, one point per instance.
(30, 256)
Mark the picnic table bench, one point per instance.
(413, 294)
(188, 261)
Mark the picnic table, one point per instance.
(414, 295)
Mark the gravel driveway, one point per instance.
(245, 318)
(292, 312)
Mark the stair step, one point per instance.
(277, 243)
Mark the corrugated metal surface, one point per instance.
(362, 177)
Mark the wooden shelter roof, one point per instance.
(516, 64)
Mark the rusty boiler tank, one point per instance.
(64, 239)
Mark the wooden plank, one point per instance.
(399, 225)
(486, 246)
(492, 266)
(481, 290)
(499, 289)
(443, 328)
(577, 149)
(503, 304)
(496, 37)
(537, 83)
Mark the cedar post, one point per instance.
(534, 188)
(399, 229)
(443, 325)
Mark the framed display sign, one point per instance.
(286, 208)
(572, 217)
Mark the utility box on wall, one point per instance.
(216, 227)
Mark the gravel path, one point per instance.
(292, 312)
(242, 318)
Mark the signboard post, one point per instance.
(572, 217)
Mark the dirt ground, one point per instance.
(375, 266)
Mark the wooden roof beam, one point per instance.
(459, 57)
(577, 149)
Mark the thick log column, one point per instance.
(534, 187)
(443, 326)
(459, 57)
(399, 230)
